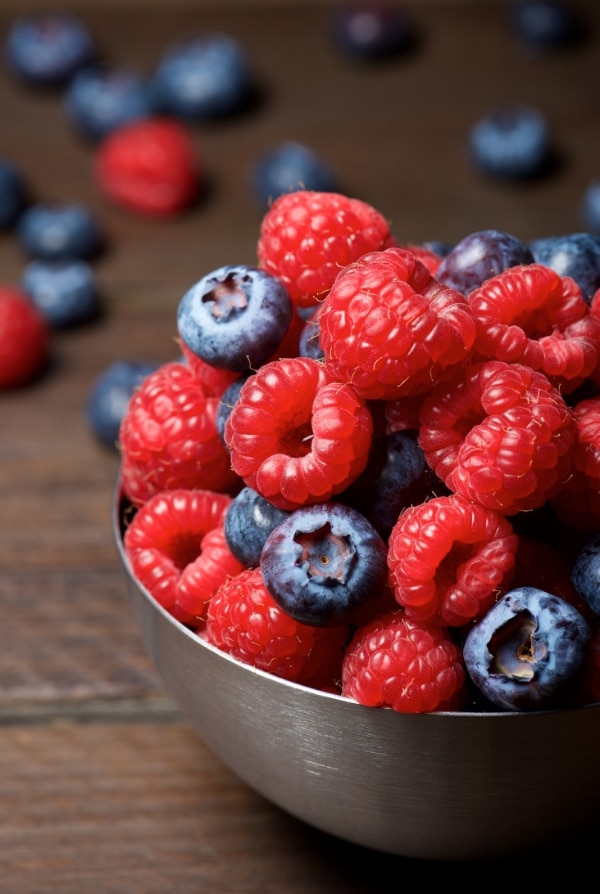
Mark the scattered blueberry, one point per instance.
(248, 522)
(372, 31)
(575, 254)
(226, 404)
(309, 344)
(590, 208)
(100, 99)
(511, 143)
(202, 78)
(585, 574)
(59, 231)
(527, 651)
(235, 317)
(110, 394)
(47, 49)
(290, 166)
(13, 194)
(64, 291)
(323, 563)
(479, 256)
(545, 25)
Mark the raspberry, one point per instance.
(499, 434)
(24, 339)
(149, 167)
(168, 437)
(307, 237)
(531, 315)
(449, 559)
(177, 550)
(214, 381)
(578, 503)
(245, 621)
(295, 436)
(397, 663)
(390, 329)
(426, 256)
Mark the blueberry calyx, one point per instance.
(325, 555)
(227, 297)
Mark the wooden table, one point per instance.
(103, 786)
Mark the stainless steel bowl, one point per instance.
(447, 786)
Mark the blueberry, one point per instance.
(372, 31)
(438, 247)
(204, 77)
(248, 522)
(100, 99)
(511, 143)
(59, 231)
(585, 574)
(309, 344)
(545, 24)
(227, 403)
(323, 563)
(64, 291)
(575, 254)
(527, 651)
(290, 166)
(479, 256)
(13, 194)
(235, 317)
(109, 397)
(47, 49)
(590, 206)
(396, 476)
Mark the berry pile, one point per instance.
(406, 517)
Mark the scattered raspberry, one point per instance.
(499, 434)
(177, 550)
(295, 436)
(24, 339)
(149, 167)
(390, 329)
(307, 237)
(244, 621)
(578, 503)
(531, 315)
(449, 560)
(396, 663)
(168, 437)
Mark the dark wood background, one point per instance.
(103, 786)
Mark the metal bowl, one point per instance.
(445, 786)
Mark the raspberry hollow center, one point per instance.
(297, 440)
(325, 555)
(228, 298)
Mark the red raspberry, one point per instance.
(449, 560)
(307, 237)
(396, 663)
(499, 434)
(390, 329)
(149, 167)
(178, 552)
(539, 564)
(295, 436)
(24, 339)
(531, 315)
(402, 414)
(214, 381)
(578, 503)
(245, 621)
(169, 439)
(426, 255)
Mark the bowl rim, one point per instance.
(117, 501)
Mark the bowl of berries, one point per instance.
(358, 523)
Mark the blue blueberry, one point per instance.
(527, 651)
(545, 25)
(309, 344)
(235, 317)
(100, 99)
(590, 206)
(323, 563)
(575, 254)
(13, 194)
(65, 292)
(479, 256)
(204, 77)
(396, 476)
(110, 394)
(438, 247)
(290, 166)
(248, 522)
(585, 574)
(59, 231)
(511, 143)
(227, 403)
(47, 49)
(372, 31)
